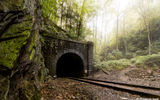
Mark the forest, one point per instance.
(134, 38)
(125, 33)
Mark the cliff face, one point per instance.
(21, 63)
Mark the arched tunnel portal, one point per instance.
(70, 65)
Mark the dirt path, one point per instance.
(133, 75)
(123, 76)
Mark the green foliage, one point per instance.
(114, 64)
(136, 42)
(115, 55)
(97, 61)
(69, 16)
(148, 61)
(137, 32)
(50, 9)
(151, 61)
(156, 46)
(129, 55)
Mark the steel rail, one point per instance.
(127, 84)
(152, 91)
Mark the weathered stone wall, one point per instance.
(90, 58)
(54, 48)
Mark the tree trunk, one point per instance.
(147, 25)
(117, 34)
(149, 39)
(62, 15)
(81, 20)
(125, 36)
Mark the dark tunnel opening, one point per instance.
(70, 65)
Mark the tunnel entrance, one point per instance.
(70, 65)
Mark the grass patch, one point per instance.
(114, 64)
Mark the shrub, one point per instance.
(114, 64)
(97, 60)
(155, 47)
(141, 52)
(115, 55)
(111, 57)
(148, 61)
(129, 55)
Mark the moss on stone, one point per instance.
(32, 54)
(34, 41)
(19, 29)
(42, 74)
(4, 87)
(6, 5)
(29, 91)
(9, 51)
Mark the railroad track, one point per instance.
(150, 91)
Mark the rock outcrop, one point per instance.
(21, 62)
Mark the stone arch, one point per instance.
(70, 63)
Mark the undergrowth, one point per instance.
(147, 61)
(114, 64)
(151, 61)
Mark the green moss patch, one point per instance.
(32, 54)
(19, 29)
(9, 51)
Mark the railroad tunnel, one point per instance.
(70, 65)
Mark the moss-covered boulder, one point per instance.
(21, 63)
(10, 48)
